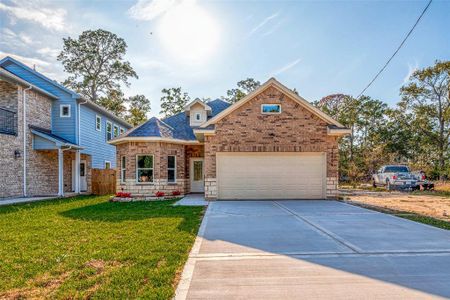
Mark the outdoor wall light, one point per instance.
(16, 154)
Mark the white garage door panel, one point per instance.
(271, 175)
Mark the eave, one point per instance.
(121, 140)
(338, 131)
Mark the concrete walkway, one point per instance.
(313, 250)
(24, 200)
(192, 200)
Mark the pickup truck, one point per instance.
(394, 177)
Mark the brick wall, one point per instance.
(160, 151)
(247, 130)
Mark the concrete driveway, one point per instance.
(313, 250)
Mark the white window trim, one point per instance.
(123, 168)
(270, 113)
(174, 168)
(152, 168)
(108, 162)
(61, 106)
(114, 131)
(112, 134)
(121, 130)
(97, 117)
(199, 116)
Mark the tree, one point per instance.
(95, 62)
(244, 87)
(363, 150)
(173, 101)
(427, 99)
(139, 107)
(114, 102)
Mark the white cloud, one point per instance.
(147, 10)
(263, 23)
(287, 67)
(33, 11)
(10, 39)
(411, 70)
(25, 38)
(46, 51)
(273, 29)
(29, 61)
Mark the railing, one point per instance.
(8, 122)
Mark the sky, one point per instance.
(206, 47)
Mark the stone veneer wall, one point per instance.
(160, 152)
(11, 183)
(247, 130)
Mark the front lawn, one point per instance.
(87, 247)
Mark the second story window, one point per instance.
(98, 123)
(198, 117)
(64, 110)
(122, 130)
(108, 131)
(116, 130)
(107, 165)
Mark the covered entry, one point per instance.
(271, 175)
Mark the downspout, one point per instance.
(77, 155)
(25, 140)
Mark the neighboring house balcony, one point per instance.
(8, 122)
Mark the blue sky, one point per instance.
(317, 47)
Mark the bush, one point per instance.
(176, 193)
(123, 195)
(159, 194)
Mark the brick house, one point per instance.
(272, 144)
(50, 137)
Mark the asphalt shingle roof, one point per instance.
(176, 126)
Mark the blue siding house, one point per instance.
(78, 132)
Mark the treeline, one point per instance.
(415, 132)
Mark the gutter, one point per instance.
(25, 140)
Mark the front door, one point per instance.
(83, 180)
(196, 175)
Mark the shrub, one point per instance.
(176, 193)
(123, 195)
(159, 194)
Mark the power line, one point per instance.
(396, 51)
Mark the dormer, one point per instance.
(198, 112)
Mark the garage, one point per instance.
(271, 175)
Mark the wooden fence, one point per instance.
(103, 181)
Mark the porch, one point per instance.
(63, 168)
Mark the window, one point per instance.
(107, 165)
(171, 168)
(144, 168)
(64, 110)
(98, 123)
(108, 131)
(122, 130)
(270, 108)
(198, 116)
(123, 169)
(116, 130)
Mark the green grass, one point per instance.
(87, 247)
(426, 220)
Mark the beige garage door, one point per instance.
(247, 175)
